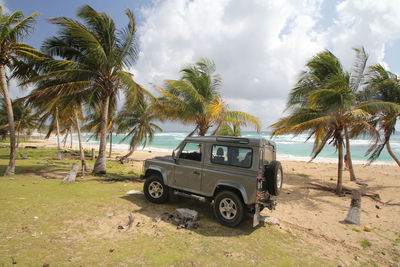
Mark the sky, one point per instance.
(259, 46)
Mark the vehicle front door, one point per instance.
(189, 167)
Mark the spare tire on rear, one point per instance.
(274, 177)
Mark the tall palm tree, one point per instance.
(95, 58)
(322, 104)
(137, 121)
(384, 86)
(93, 124)
(13, 56)
(195, 99)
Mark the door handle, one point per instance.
(196, 172)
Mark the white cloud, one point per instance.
(373, 24)
(3, 4)
(259, 47)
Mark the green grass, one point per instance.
(365, 244)
(356, 230)
(72, 227)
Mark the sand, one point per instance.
(316, 216)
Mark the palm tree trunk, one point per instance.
(100, 165)
(70, 129)
(65, 138)
(391, 153)
(123, 158)
(11, 165)
(131, 150)
(58, 136)
(339, 185)
(82, 154)
(349, 161)
(109, 155)
(18, 133)
(195, 129)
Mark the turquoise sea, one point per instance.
(288, 146)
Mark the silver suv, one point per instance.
(238, 174)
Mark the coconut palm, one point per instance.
(229, 129)
(13, 56)
(137, 122)
(322, 104)
(93, 124)
(24, 119)
(384, 86)
(195, 99)
(95, 56)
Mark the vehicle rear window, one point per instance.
(233, 156)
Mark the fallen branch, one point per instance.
(391, 203)
(345, 190)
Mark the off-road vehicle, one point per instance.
(239, 174)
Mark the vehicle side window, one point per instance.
(191, 151)
(234, 156)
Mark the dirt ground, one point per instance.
(317, 215)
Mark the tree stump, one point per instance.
(92, 153)
(353, 216)
(70, 178)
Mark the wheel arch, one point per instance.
(232, 186)
(156, 170)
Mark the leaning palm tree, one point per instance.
(13, 56)
(384, 86)
(322, 104)
(95, 58)
(137, 122)
(194, 99)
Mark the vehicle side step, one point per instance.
(190, 196)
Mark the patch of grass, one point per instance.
(365, 244)
(44, 221)
(356, 230)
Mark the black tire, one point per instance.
(274, 177)
(155, 190)
(228, 200)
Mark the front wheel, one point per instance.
(228, 208)
(155, 190)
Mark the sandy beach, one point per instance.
(315, 216)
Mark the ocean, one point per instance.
(288, 146)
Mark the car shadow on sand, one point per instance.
(208, 223)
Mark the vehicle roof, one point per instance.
(231, 140)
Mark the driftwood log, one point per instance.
(353, 216)
(70, 178)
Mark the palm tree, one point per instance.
(137, 121)
(93, 124)
(229, 129)
(24, 119)
(13, 56)
(95, 55)
(384, 86)
(322, 104)
(195, 99)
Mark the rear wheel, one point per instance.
(155, 190)
(228, 208)
(274, 177)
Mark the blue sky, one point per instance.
(259, 46)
